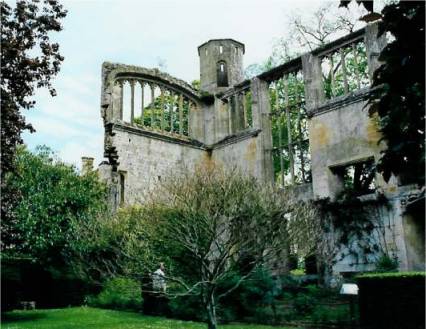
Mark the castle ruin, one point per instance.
(293, 126)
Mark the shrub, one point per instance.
(118, 293)
(255, 293)
(392, 300)
(386, 264)
(304, 304)
(337, 314)
(187, 308)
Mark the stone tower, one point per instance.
(221, 64)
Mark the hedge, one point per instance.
(23, 280)
(392, 300)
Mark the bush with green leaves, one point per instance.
(251, 298)
(54, 196)
(187, 308)
(387, 264)
(118, 293)
(323, 314)
(304, 304)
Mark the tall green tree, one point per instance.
(399, 97)
(29, 60)
(53, 198)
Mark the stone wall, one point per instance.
(242, 153)
(341, 133)
(146, 159)
(339, 136)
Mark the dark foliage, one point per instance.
(24, 280)
(29, 60)
(399, 97)
(392, 300)
(244, 303)
(186, 308)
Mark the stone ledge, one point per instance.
(167, 137)
(235, 138)
(340, 102)
(183, 140)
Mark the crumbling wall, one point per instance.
(340, 136)
(146, 160)
(341, 133)
(241, 153)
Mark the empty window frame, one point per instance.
(163, 109)
(357, 178)
(345, 70)
(222, 74)
(291, 157)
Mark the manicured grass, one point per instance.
(94, 318)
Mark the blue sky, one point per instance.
(144, 33)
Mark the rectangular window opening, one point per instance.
(358, 178)
(122, 187)
(290, 133)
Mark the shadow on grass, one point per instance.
(21, 316)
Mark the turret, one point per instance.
(221, 64)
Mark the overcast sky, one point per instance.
(144, 33)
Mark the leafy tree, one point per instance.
(53, 197)
(399, 97)
(118, 245)
(29, 60)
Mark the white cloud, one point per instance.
(72, 152)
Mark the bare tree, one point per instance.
(325, 24)
(218, 218)
(203, 225)
(308, 31)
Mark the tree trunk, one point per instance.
(211, 313)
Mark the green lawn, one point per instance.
(93, 318)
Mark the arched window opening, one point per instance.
(126, 106)
(222, 74)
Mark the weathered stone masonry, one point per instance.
(261, 126)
